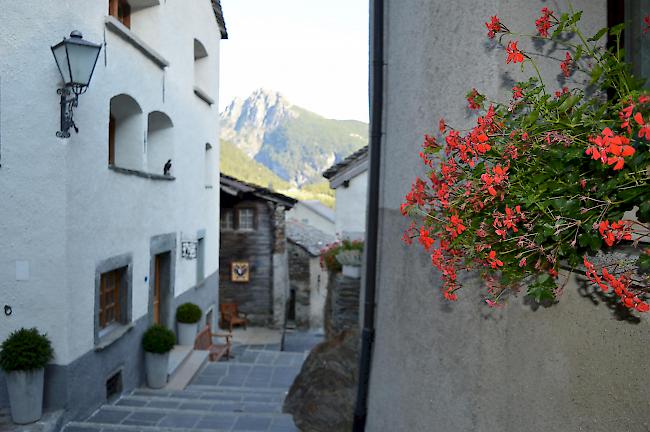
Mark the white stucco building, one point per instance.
(350, 180)
(315, 214)
(92, 232)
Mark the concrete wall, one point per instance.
(351, 207)
(63, 210)
(440, 366)
(317, 294)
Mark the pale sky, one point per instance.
(314, 52)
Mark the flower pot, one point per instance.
(156, 369)
(26, 395)
(353, 272)
(186, 333)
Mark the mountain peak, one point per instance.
(294, 143)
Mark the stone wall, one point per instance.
(299, 276)
(342, 304)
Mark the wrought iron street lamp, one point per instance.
(76, 59)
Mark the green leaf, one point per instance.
(596, 72)
(542, 289)
(578, 53)
(617, 29)
(597, 36)
(643, 214)
(644, 263)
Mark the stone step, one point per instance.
(177, 356)
(145, 418)
(186, 371)
(237, 390)
(258, 404)
(216, 395)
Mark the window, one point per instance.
(202, 70)
(246, 219)
(121, 10)
(200, 260)
(227, 220)
(111, 140)
(110, 297)
(125, 133)
(208, 166)
(160, 142)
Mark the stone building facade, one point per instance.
(253, 235)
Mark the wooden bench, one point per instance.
(231, 317)
(204, 341)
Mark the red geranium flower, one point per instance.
(566, 65)
(514, 55)
(645, 127)
(494, 27)
(646, 20)
(517, 92)
(543, 23)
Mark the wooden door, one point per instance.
(156, 291)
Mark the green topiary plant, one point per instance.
(25, 350)
(188, 313)
(158, 339)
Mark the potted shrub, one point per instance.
(350, 261)
(23, 356)
(328, 257)
(187, 317)
(157, 342)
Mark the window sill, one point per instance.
(203, 96)
(115, 26)
(142, 174)
(113, 336)
(208, 186)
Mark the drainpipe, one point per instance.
(376, 106)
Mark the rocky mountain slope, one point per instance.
(296, 144)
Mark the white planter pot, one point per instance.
(26, 395)
(186, 333)
(156, 369)
(353, 272)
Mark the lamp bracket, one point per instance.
(69, 100)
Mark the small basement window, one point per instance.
(114, 386)
(246, 219)
(121, 10)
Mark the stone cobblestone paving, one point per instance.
(244, 394)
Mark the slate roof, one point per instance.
(320, 209)
(355, 157)
(307, 237)
(218, 14)
(235, 186)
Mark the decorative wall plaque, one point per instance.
(188, 250)
(239, 271)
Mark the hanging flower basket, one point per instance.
(548, 178)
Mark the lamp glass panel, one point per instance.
(82, 62)
(62, 62)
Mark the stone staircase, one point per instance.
(244, 394)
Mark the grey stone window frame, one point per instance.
(200, 256)
(126, 297)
